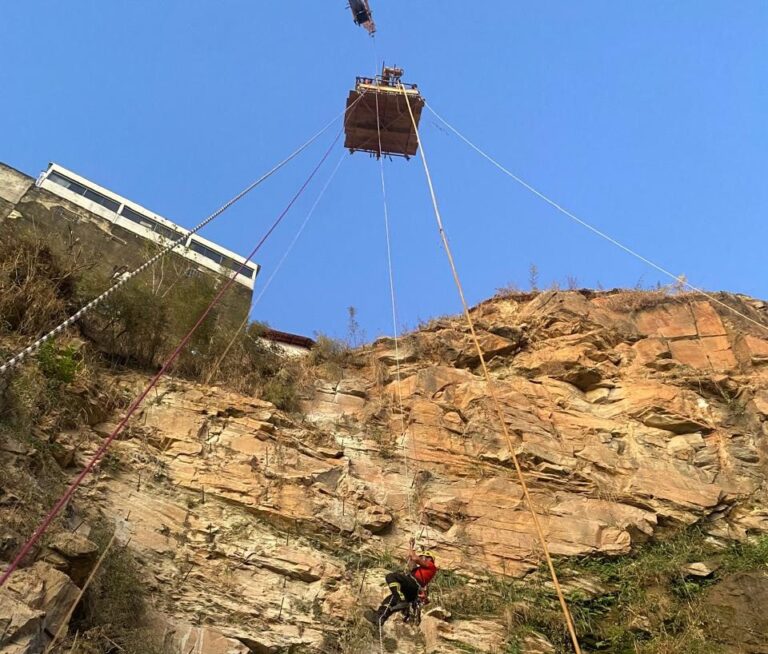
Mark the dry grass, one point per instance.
(137, 326)
(35, 288)
(112, 615)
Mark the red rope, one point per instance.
(46, 523)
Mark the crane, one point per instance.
(362, 15)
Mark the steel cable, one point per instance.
(125, 278)
(64, 499)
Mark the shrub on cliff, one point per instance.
(139, 324)
(114, 611)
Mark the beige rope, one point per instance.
(220, 360)
(217, 365)
(65, 623)
(492, 389)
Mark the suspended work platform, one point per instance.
(380, 104)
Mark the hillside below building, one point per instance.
(640, 419)
(115, 235)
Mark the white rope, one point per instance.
(410, 480)
(392, 294)
(293, 242)
(301, 230)
(591, 228)
(21, 356)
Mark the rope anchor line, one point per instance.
(244, 324)
(490, 385)
(396, 332)
(583, 223)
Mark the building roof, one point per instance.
(288, 339)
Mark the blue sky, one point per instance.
(648, 119)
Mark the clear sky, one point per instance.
(648, 119)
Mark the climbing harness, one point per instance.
(492, 390)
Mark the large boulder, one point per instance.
(39, 600)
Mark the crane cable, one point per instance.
(492, 388)
(64, 499)
(592, 228)
(21, 356)
(394, 308)
(410, 479)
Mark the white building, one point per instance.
(143, 222)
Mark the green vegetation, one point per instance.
(46, 401)
(47, 395)
(653, 583)
(649, 605)
(138, 325)
(58, 364)
(472, 598)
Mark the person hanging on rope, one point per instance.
(407, 587)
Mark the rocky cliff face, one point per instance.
(636, 416)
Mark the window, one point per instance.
(222, 260)
(104, 201)
(207, 252)
(167, 232)
(138, 218)
(149, 223)
(87, 193)
(67, 183)
(236, 266)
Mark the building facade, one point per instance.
(141, 221)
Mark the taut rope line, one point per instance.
(393, 302)
(242, 326)
(492, 390)
(65, 623)
(72, 488)
(592, 228)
